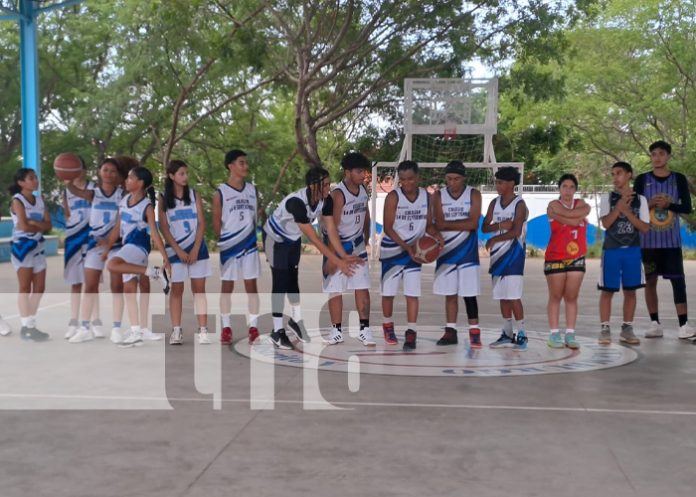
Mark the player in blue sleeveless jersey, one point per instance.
(183, 226)
(30, 221)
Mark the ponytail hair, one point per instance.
(169, 200)
(20, 175)
(145, 176)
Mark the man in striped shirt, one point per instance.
(668, 197)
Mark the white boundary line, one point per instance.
(490, 407)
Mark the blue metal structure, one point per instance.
(26, 13)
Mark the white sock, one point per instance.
(253, 320)
(135, 329)
(554, 330)
(451, 325)
(277, 323)
(507, 327)
(411, 326)
(25, 322)
(474, 326)
(32, 321)
(177, 328)
(225, 320)
(520, 325)
(296, 312)
(569, 331)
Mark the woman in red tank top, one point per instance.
(564, 262)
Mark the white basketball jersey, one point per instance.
(183, 222)
(102, 214)
(281, 225)
(239, 208)
(354, 211)
(33, 212)
(507, 257)
(460, 246)
(134, 227)
(410, 222)
(79, 211)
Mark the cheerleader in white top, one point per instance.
(235, 206)
(507, 218)
(30, 221)
(104, 199)
(76, 209)
(457, 273)
(182, 224)
(407, 217)
(135, 225)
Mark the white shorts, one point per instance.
(93, 258)
(182, 272)
(339, 282)
(74, 270)
(35, 259)
(245, 267)
(464, 281)
(508, 287)
(411, 277)
(133, 255)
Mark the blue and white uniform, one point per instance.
(410, 222)
(76, 237)
(28, 247)
(135, 234)
(183, 224)
(508, 257)
(458, 270)
(239, 254)
(351, 232)
(102, 218)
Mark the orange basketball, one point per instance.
(67, 166)
(427, 249)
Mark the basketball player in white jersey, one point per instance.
(457, 211)
(352, 219)
(235, 206)
(407, 217)
(507, 218)
(103, 199)
(182, 225)
(76, 211)
(30, 221)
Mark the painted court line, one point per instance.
(490, 407)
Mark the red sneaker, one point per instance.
(226, 337)
(253, 334)
(389, 335)
(475, 338)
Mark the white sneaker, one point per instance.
(149, 335)
(335, 336)
(72, 329)
(132, 339)
(686, 331)
(159, 274)
(176, 338)
(4, 328)
(203, 338)
(655, 330)
(97, 329)
(116, 336)
(81, 335)
(365, 336)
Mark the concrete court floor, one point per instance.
(626, 431)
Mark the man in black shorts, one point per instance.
(668, 197)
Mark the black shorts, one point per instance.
(282, 255)
(665, 262)
(566, 266)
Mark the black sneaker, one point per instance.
(298, 329)
(281, 340)
(33, 334)
(410, 340)
(449, 338)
